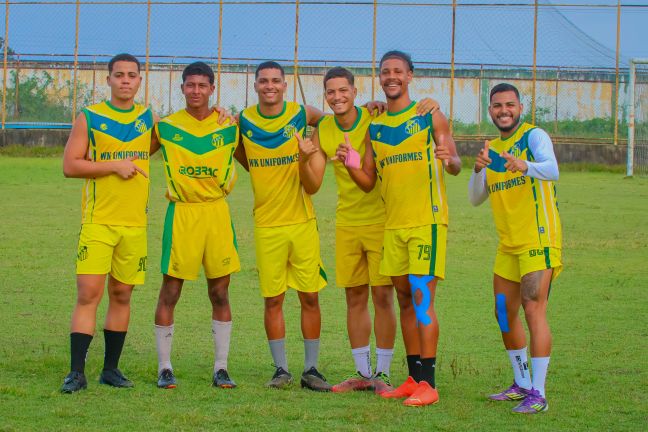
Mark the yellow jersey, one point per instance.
(354, 207)
(198, 157)
(273, 157)
(116, 134)
(525, 209)
(412, 180)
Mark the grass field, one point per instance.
(598, 312)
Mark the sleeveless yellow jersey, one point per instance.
(524, 208)
(115, 134)
(413, 185)
(354, 207)
(273, 157)
(198, 157)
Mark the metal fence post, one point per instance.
(76, 60)
(616, 84)
(452, 65)
(148, 50)
(4, 65)
(535, 55)
(220, 52)
(373, 51)
(296, 51)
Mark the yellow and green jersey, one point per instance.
(115, 134)
(198, 157)
(524, 208)
(273, 158)
(413, 185)
(354, 207)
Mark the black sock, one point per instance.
(114, 344)
(428, 365)
(414, 366)
(79, 343)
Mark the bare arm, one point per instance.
(313, 115)
(312, 163)
(155, 141)
(240, 155)
(77, 165)
(365, 176)
(445, 148)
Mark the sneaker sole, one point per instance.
(225, 386)
(101, 381)
(418, 405)
(170, 386)
(306, 386)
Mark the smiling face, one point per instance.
(197, 91)
(395, 76)
(124, 80)
(340, 95)
(270, 85)
(505, 110)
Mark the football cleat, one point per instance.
(355, 382)
(313, 380)
(424, 395)
(223, 380)
(534, 403)
(404, 390)
(281, 379)
(74, 381)
(166, 379)
(380, 383)
(513, 393)
(114, 378)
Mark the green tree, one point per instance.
(10, 52)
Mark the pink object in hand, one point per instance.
(352, 159)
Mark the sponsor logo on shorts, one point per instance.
(536, 252)
(142, 264)
(82, 255)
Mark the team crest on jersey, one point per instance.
(289, 131)
(140, 126)
(218, 140)
(412, 127)
(103, 127)
(515, 150)
(177, 137)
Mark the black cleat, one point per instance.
(223, 380)
(114, 377)
(281, 379)
(166, 379)
(313, 380)
(74, 381)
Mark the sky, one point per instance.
(578, 35)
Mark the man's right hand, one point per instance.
(482, 160)
(127, 169)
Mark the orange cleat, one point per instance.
(424, 395)
(402, 391)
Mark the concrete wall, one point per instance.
(606, 154)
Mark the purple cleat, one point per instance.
(513, 393)
(532, 404)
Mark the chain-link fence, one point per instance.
(565, 59)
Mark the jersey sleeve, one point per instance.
(544, 165)
(477, 188)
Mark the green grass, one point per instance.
(598, 312)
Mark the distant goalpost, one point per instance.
(638, 118)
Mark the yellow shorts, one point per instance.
(418, 251)
(358, 250)
(289, 256)
(118, 250)
(514, 266)
(195, 234)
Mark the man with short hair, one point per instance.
(517, 172)
(360, 220)
(409, 154)
(109, 147)
(197, 147)
(286, 237)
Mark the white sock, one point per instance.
(520, 365)
(221, 330)
(383, 360)
(362, 358)
(539, 366)
(164, 340)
